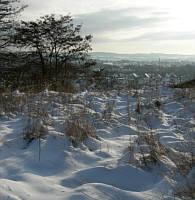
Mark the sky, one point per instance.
(127, 26)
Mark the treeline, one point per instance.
(49, 51)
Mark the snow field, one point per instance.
(135, 156)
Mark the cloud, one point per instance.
(149, 37)
(37, 5)
(41, 7)
(162, 36)
(119, 19)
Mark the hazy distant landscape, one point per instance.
(143, 57)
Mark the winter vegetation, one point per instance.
(72, 130)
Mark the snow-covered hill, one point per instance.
(141, 147)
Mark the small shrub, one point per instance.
(157, 103)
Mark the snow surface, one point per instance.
(97, 168)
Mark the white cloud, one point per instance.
(118, 19)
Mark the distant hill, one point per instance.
(187, 84)
(141, 56)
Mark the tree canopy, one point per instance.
(8, 10)
(54, 39)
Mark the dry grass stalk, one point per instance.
(79, 130)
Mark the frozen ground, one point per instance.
(119, 164)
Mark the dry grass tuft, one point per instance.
(34, 129)
(78, 130)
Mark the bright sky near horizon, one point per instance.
(128, 26)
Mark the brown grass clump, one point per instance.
(146, 150)
(34, 129)
(79, 130)
(157, 150)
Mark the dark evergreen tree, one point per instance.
(8, 10)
